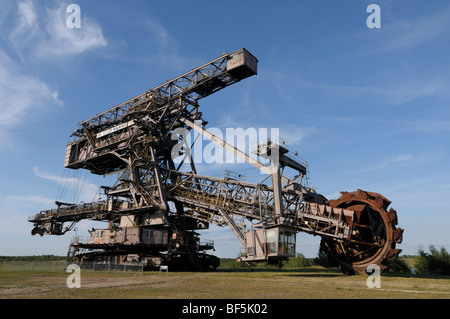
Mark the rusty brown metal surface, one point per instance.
(374, 233)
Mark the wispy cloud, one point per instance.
(27, 18)
(427, 125)
(79, 188)
(16, 208)
(21, 93)
(395, 160)
(33, 34)
(401, 160)
(43, 34)
(164, 49)
(406, 34)
(395, 92)
(295, 134)
(23, 96)
(29, 201)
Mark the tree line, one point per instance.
(32, 258)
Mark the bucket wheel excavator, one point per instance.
(156, 207)
(374, 233)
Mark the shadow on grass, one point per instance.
(320, 272)
(316, 272)
(418, 275)
(301, 272)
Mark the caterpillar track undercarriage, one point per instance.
(156, 206)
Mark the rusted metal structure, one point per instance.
(155, 209)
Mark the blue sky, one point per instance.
(367, 108)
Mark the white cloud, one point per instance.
(395, 93)
(408, 125)
(44, 35)
(408, 34)
(164, 45)
(161, 47)
(31, 200)
(27, 16)
(72, 189)
(23, 96)
(21, 93)
(428, 125)
(294, 134)
(62, 41)
(35, 34)
(16, 209)
(387, 162)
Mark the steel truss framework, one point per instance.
(134, 141)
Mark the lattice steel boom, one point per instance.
(154, 209)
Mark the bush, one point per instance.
(398, 266)
(322, 260)
(232, 263)
(298, 261)
(437, 262)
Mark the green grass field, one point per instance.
(225, 283)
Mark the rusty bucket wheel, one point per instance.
(374, 234)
